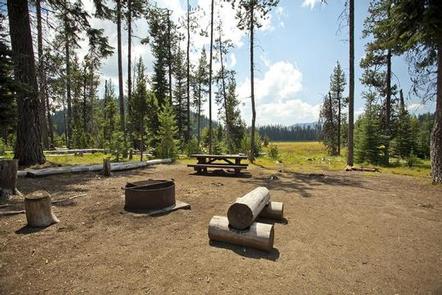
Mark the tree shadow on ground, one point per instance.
(222, 173)
(273, 255)
(57, 185)
(304, 183)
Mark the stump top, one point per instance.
(38, 195)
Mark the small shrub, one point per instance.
(273, 152)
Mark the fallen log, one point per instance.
(259, 235)
(362, 169)
(38, 209)
(6, 213)
(244, 211)
(273, 210)
(121, 166)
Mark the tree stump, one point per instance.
(259, 235)
(244, 211)
(107, 167)
(8, 178)
(38, 209)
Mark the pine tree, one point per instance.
(329, 121)
(8, 107)
(404, 143)
(28, 149)
(166, 137)
(200, 84)
(232, 119)
(180, 101)
(337, 87)
(109, 112)
(368, 138)
(250, 14)
(139, 108)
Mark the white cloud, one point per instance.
(310, 3)
(281, 81)
(276, 96)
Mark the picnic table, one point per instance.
(205, 161)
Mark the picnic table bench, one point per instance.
(205, 161)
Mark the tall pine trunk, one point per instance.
(252, 86)
(28, 148)
(68, 129)
(339, 123)
(223, 83)
(169, 48)
(210, 77)
(199, 114)
(188, 73)
(351, 83)
(436, 136)
(129, 53)
(120, 71)
(41, 78)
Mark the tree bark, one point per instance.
(129, 52)
(252, 86)
(169, 45)
(8, 178)
(259, 236)
(41, 78)
(210, 77)
(436, 135)
(38, 210)
(188, 73)
(223, 82)
(68, 89)
(120, 71)
(339, 124)
(351, 83)
(107, 167)
(244, 211)
(28, 148)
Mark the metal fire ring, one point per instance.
(149, 194)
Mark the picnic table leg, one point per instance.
(237, 171)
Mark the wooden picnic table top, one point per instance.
(218, 156)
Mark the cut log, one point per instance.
(361, 169)
(106, 167)
(259, 235)
(38, 209)
(244, 211)
(8, 178)
(273, 210)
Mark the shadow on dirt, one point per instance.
(26, 230)
(222, 173)
(273, 255)
(304, 183)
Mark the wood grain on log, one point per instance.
(273, 210)
(259, 235)
(106, 167)
(244, 211)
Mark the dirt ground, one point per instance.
(346, 233)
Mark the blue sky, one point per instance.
(296, 51)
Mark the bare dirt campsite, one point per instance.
(346, 233)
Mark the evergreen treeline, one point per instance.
(50, 98)
(290, 133)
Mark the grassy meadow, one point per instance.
(312, 156)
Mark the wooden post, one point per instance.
(273, 210)
(259, 236)
(38, 209)
(244, 211)
(107, 167)
(8, 178)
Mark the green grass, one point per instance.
(312, 156)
